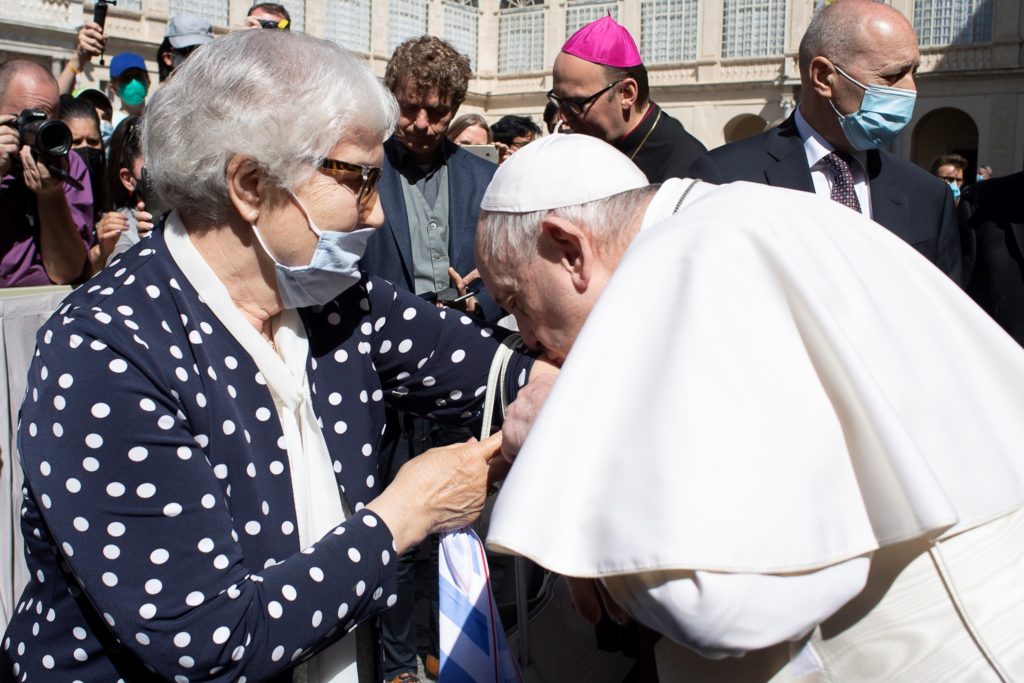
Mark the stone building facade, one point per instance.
(726, 68)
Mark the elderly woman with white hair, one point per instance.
(200, 433)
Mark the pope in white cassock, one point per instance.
(780, 436)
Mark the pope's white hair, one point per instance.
(283, 98)
(511, 238)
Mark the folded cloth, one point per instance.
(473, 645)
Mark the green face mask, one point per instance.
(132, 93)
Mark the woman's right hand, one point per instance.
(442, 489)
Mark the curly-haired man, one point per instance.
(430, 190)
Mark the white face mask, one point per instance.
(333, 268)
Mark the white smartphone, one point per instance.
(488, 152)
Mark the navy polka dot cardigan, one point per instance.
(159, 519)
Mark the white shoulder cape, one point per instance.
(770, 383)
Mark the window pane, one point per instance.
(461, 18)
(406, 19)
(953, 22)
(579, 13)
(668, 31)
(214, 10)
(521, 36)
(348, 24)
(753, 28)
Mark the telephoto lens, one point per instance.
(48, 137)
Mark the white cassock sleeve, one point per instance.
(719, 614)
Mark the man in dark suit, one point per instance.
(994, 217)
(430, 191)
(857, 65)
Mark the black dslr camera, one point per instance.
(49, 138)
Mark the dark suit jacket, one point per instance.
(993, 211)
(906, 199)
(389, 251)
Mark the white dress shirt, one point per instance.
(817, 148)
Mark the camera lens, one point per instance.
(51, 138)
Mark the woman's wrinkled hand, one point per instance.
(440, 490)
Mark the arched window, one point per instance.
(406, 19)
(579, 13)
(668, 31)
(348, 23)
(461, 19)
(953, 22)
(521, 36)
(753, 28)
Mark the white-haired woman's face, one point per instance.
(332, 200)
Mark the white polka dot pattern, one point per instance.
(170, 505)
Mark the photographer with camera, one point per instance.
(268, 15)
(45, 200)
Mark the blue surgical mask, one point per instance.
(956, 190)
(106, 130)
(979, 177)
(883, 114)
(333, 268)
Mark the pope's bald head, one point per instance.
(847, 29)
(27, 85)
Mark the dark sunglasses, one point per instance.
(577, 106)
(349, 173)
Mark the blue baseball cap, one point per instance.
(124, 61)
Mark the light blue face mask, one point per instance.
(979, 177)
(956, 190)
(333, 268)
(106, 130)
(883, 114)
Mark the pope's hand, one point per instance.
(591, 599)
(523, 412)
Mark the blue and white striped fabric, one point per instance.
(473, 645)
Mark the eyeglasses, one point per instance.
(348, 173)
(577, 106)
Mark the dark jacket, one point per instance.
(389, 252)
(993, 215)
(914, 205)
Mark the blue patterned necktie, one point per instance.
(843, 190)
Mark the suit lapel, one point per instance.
(787, 166)
(396, 218)
(890, 205)
(457, 198)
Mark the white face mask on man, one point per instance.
(333, 268)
